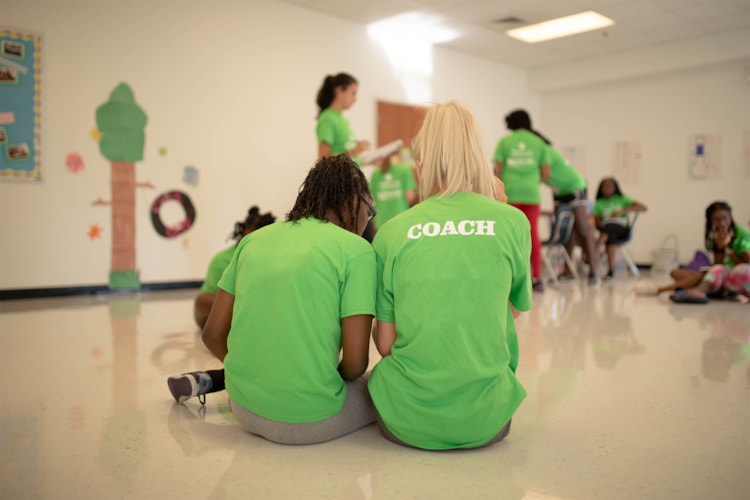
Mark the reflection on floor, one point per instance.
(628, 397)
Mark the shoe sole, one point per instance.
(181, 388)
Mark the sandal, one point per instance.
(681, 296)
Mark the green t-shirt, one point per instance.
(389, 191)
(335, 130)
(447, 270)
(740, 244)
(216, 267)
(292, 284)
(522, 153)
(605, 207)
(563, 179)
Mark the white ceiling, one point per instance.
(640, 24)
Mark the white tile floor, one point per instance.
(628, 398)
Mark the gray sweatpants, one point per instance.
(357, 412)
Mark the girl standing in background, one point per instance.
(522, 162)
(337, 94)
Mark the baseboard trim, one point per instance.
(38, 293)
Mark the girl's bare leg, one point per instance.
(683, 278)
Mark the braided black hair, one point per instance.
(328, 90)
(714, 207)
(332, 184)
(253, 221)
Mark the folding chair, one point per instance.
(562, 223)
(622, 242)
(621, 246)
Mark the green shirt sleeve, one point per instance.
(229, 276)
(384, 302)
(741, 243)
(520, 288)
(216, 267)
(326, 131)
(358, 289)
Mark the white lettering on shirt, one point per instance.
(462, 227)
(450, 228)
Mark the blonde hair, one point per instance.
(450, 151)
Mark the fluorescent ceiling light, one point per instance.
(563, 26)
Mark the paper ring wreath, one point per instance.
(182, 226)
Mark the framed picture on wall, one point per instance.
(20, 105)
(8, 75)
(15, 152)
(10, 48)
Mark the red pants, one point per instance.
(532, 213)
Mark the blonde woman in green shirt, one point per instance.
(453, 273)
(293, 314)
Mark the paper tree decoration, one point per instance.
(121, 123)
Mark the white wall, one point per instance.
(662, 111)
(228, 87)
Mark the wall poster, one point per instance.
(20, 105)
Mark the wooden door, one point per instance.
(398, 121)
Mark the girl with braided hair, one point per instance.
(254, 220)
(297, 297)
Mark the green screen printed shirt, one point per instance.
(216, 267)
(740, 244)
(336, 131)
(292, 285)
(522, 153)
(389, 191)
(448, 269)
(563, 179)
(605, 207)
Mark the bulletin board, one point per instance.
(20, 105)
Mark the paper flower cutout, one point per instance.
(95, 231)
(74, 162)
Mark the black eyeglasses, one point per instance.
(370, 209)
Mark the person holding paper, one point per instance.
(337, 94)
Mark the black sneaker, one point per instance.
(189, 385)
